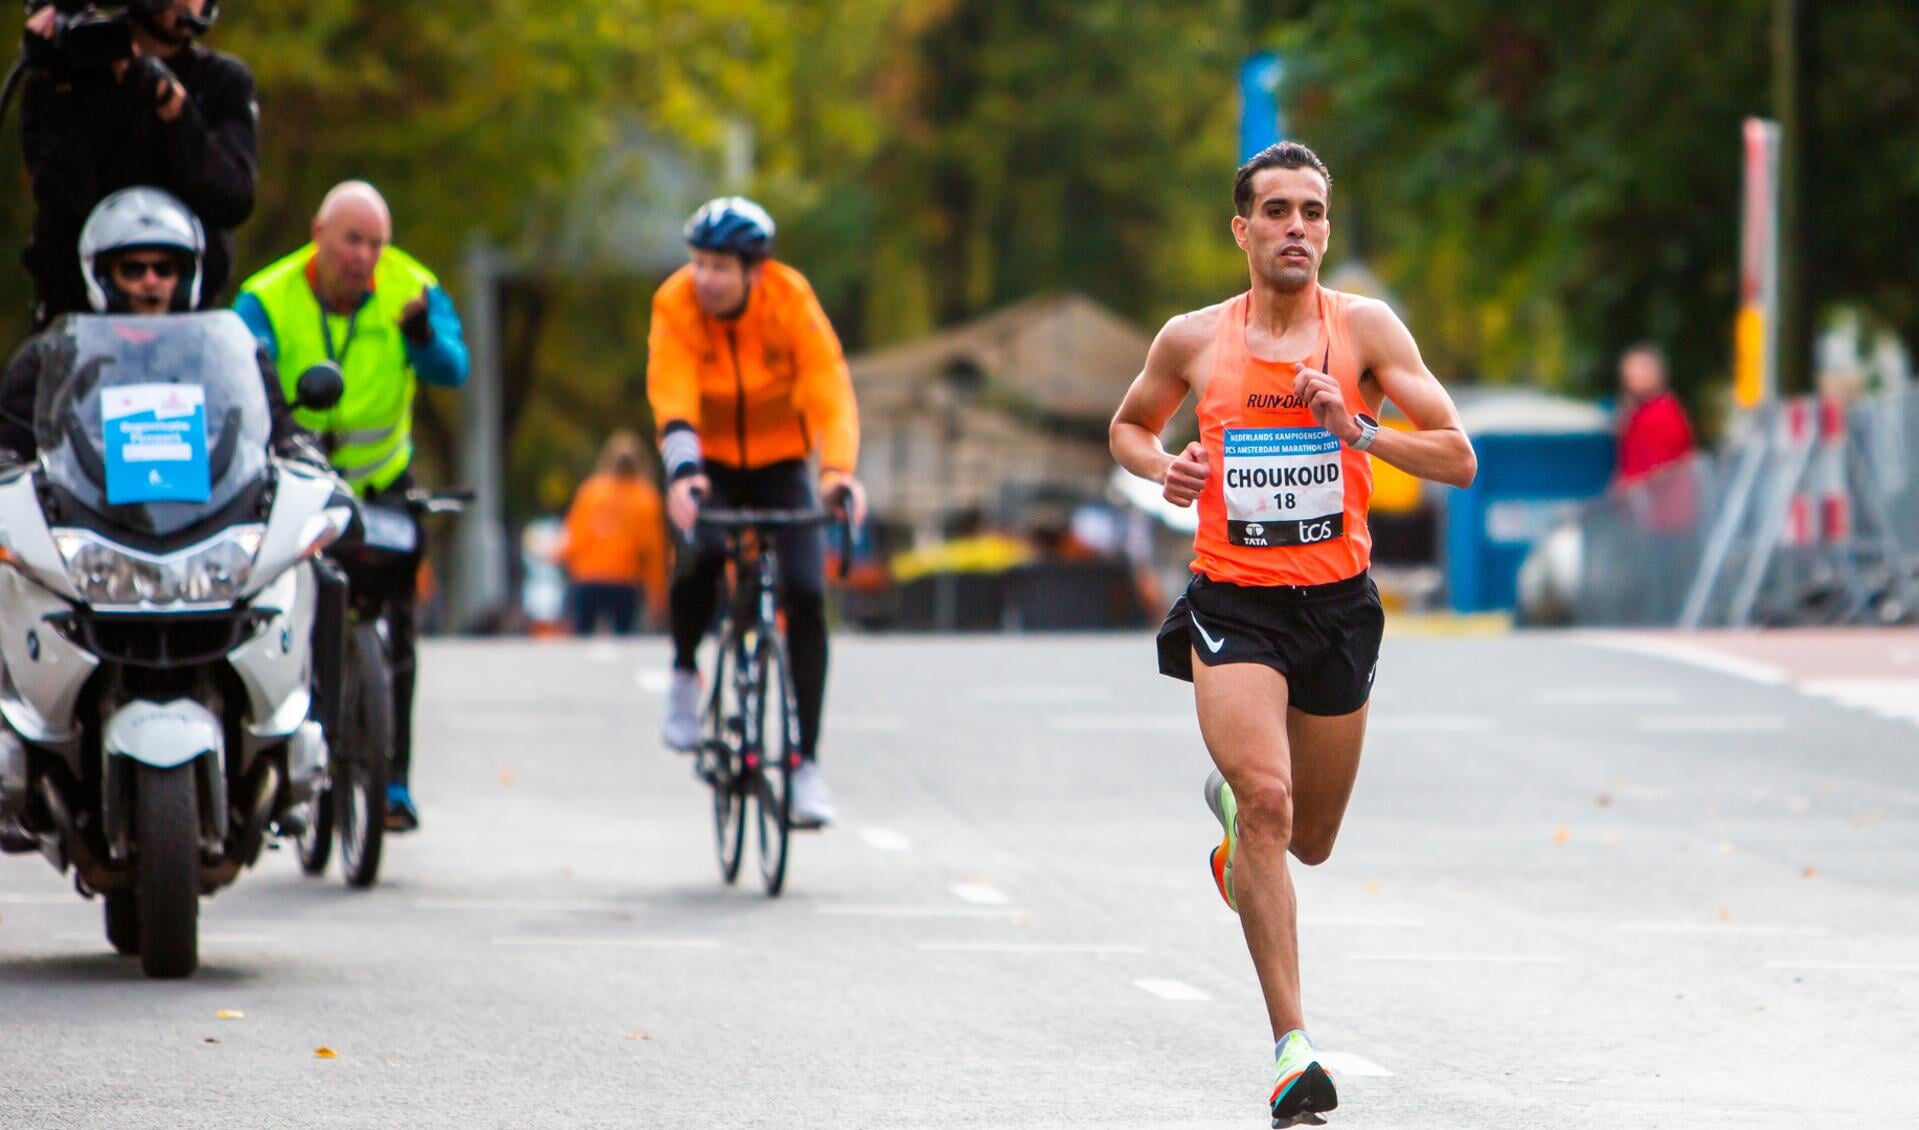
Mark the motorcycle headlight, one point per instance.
(107, 574)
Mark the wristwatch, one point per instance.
(1368, 428)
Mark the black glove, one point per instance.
(418, 327)
(149, 80)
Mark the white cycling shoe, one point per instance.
(812, 803)
(682, 729)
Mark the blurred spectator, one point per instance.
(1654, 486)
(615, 546)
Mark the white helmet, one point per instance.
(140, 218)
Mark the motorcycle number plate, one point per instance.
(391, 530)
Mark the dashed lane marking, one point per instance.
(885, 839)
(1714, 724)
(1093, 948)
(1464, 958)
(980, 894)
(526, 941)
(1171, 990)
(1728, 929)
(1845, 966)
(859, 910)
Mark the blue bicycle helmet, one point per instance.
(734, 225)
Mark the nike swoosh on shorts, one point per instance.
(1212, 644)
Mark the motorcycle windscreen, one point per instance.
(154, 423)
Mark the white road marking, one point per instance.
(612, 943)
(1044, 696)
(1708, 724)
(603, 653)
(1027, 947)
(530, 906)
(1123, 723)
(1692, 655)
(865, 724)
(1896, 699)
(860, 910)
(1172, 990)
(206, 938)
(1432, 724)
(653, 680)
(1739, 929)
(885, 839)
(1608, 696)
(525, 723)
(980, 894)
(1464, 958)
(1845, 966)
(1352, 1066)
(1363, 923)
(39, 900)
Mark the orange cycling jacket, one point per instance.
(767, 386)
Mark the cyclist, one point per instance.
(747, 381)
(372, 309)
(1279, 631)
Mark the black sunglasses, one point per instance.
(133, 270)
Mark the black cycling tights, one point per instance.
(695, 592)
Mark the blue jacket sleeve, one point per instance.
(255, 316)
(443, 360)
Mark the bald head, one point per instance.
(349, 233)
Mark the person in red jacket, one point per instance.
(1654, 434)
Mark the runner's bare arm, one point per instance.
(1439, 450)
(1156, 394)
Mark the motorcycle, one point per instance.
(166, 660)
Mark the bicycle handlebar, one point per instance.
(751, 518)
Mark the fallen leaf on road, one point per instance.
(231, 1014)
(1868, 820)
(1809, 873)
(324, 1052)
(1609, 838)
(1724, 914)
(1799, 805)
(1374, 888)
(637, 1036)
(1725, 847)
(506, 777)
(1603, 800)
(1562, 834)
(211, 1040)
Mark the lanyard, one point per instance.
(346, 343)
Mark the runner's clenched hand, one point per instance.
(1322, 394)
(1186, 475)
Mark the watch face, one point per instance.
(1367, 420)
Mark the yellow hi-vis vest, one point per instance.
(372, 426)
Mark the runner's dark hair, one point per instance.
(1279, 155)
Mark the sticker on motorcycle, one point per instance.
(156, 443)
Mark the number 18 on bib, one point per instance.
(1284, 487)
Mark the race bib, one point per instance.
(156, 443)
(1284, 486)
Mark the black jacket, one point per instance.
(87, 140)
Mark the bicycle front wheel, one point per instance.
(723, 756)
(779, 759)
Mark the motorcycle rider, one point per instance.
(141, 252)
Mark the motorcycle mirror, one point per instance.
(320, 387)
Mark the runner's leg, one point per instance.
(1325, 765)
(1243, 717)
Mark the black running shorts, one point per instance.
(1323, 638)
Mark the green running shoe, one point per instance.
(1219, 798)
(1302, 1089)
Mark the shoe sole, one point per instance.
(1307, 1096)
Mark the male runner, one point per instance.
(1281, 616)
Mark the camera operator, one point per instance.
(151, 107)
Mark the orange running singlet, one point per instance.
(1286, 501)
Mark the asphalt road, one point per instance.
(1580, 886)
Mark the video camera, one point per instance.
(90, 37)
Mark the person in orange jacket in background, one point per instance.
(615, 548)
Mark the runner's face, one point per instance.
(720, 282)
(1285, 237)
